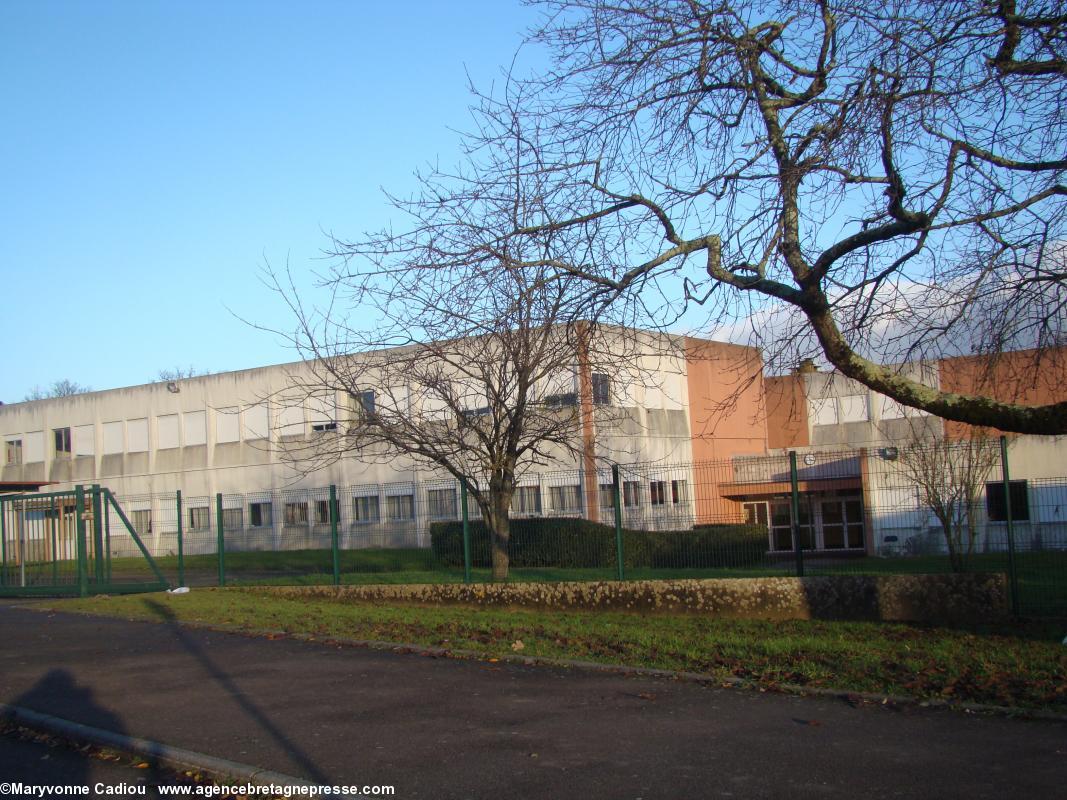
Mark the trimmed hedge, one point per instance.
(566, 542)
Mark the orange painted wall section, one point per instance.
(787, 412)
(1028, 377)
(726, 412)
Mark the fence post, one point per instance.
(181, 545)
(55, 553)
(83, 565)
(3, 544)
(107, 539)
(794, 491)
(222, 540)
(1013, 575)
(98, 536)
(333, 536)
(616, 489)
(466, 532)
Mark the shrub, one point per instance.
(572, 543)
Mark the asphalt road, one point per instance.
(443, 728)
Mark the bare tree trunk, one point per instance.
(499, 533)
(955, 558)
(497, 512)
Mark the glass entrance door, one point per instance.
(782, 525)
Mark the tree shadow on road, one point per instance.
(294, 751)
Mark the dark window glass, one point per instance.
(998, 509)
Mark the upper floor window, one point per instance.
(364, 403)
(13, 451)
(561, 400)
(62, 439)
(601, 389)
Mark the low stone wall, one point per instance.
(912, 598)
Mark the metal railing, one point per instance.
(67, 542)
(864, 511)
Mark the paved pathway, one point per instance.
(442, 728)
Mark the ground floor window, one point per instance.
(296, 513)
(400, 507)
(756, 514)
(526, 500)
(566, 499)
(142, 521)
(842, 523)
(442, 503)
(260, 515)
(997, 505)
(232, 519)
(322, 512)
(782, 525)
(365, 509)
(631, 493)
(199, 518)
(825, 523)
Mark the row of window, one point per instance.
(231, 425)
(440, 504)
(188, 429)
(856, 408)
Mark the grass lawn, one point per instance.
(1011, 666)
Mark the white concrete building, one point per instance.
(234, 433)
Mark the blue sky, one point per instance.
(155, 156)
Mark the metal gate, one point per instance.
(66, 543)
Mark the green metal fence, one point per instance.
(74, 542)
(843, 511)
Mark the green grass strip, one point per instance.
(1007, 666)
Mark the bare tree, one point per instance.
(180, 373)
(513, 392)
(60, 388)
(440, 345)
(950, 477)
(891, 175)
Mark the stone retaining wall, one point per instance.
(913, 598)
